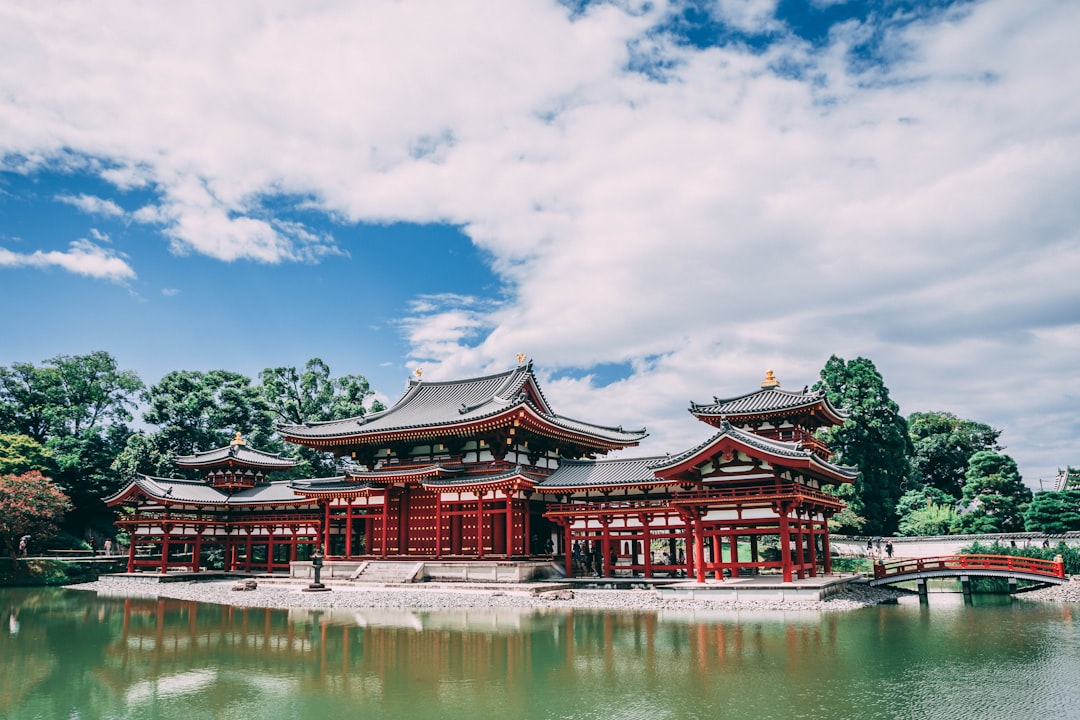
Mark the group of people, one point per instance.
(873, 547)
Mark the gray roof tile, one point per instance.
(435, 404)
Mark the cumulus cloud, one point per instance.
(903, 190)
(82, 258)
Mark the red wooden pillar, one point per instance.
(326, 529)
(509, 523)
(164, 549)
(785, 544)
(734, 540)
(810, 526)
(348, 528)
(699, 550)
(131, 554)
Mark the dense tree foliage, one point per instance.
(77, 407)
(874, 438)
(1053, 512)
(994, 497)
(943, 444)
(197, 411)
(21, 453)
(30, 504)
(295, 397)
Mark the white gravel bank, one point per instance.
(285, 595)
(1069, 592)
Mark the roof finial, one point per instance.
(521, 357)
(238, 440)
(770, 380)
(418, 372)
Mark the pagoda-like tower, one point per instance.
(237, 466)
(786, 415)
(449, 469)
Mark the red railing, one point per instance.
(1007, 563)
(781, 491)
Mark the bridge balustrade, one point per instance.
(1008, 563)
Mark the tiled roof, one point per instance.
(474, 480)
(776, 448)
(441, 404)
(196, 492)
(238, 454)
(602, 473)
(330, 485)
(766, 401)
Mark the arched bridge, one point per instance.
(962, 566)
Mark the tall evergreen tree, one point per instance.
(995, 496)
(874, 438)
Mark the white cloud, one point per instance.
(755, 209)
(82, 258)
(93, 205)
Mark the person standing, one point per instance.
(108, 546)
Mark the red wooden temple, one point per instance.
(484, 469)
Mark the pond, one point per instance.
(72, 654)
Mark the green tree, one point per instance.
(995, 496)
(78, 407)
(30, 504)
(1053, 513)
(874, 438)
(942, 444)
(314, 395)
(21, 453)
(196, 411)
(930, 519)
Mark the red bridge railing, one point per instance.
(1032, 566)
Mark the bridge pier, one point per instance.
(965, 586)
(921, 584)
(1013, 584)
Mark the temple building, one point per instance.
(234, 511)
(483, 469)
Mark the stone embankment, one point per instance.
(276, 594)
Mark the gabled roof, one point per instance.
(237, 454)
(778, 452)
(769, 401)
(170, 491)
(436, 408)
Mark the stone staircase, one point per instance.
(388, 572)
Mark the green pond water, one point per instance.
(73, 654)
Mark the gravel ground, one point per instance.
(285, 595)
(1069, 592)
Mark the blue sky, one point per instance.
(656, 201)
